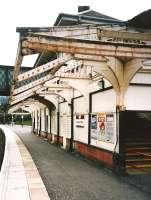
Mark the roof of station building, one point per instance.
(88, 16)
(142, 20)
(93, 13)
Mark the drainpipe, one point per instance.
(119, 163)
(58, 123)
(39, 121)
(89, 119)
(72, 125)
(45, 118)
(50, 121)
(34, 121)
(22, 118)
(122, 134)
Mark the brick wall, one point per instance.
(60, 139)
(49, 137)
(43, 134)
(90, 152)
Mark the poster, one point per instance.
(102, 127)
(94, 122)
(109, 128)
(94, 130)
(80, 120)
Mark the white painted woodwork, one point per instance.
(138, 98)
(48, 114)
(53, 122)
(91, 60)
(44, 68)
(104, 101)
(65, 121)
(81, 85)
(36, 119)
(104, 145)
(18, 62)
(33, 84)
(81, 107)
(91, 47)
(24, 95)
(80, 32)
(123, 34)
(53, 99)
(67, 94)
(42, 120)
(142, 78)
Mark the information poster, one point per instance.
(109, 128)
(80, 120)
(94, 129)
(102, 127)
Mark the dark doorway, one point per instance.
(135, 141)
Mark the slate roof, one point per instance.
(64, 19)
(91, 16)
(93, 13)
(143, 20)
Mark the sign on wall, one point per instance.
(79, 120)
(110, 121)
(102, 127)
(94, 129)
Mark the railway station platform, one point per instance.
(67, 176)
(19, 177)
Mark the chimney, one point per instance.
(83, 8)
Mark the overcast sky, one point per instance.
(19, 13)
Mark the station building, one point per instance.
(90, 89)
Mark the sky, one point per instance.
(37, 13)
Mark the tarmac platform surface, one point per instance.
(69, 177)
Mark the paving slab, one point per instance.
(19, 177)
